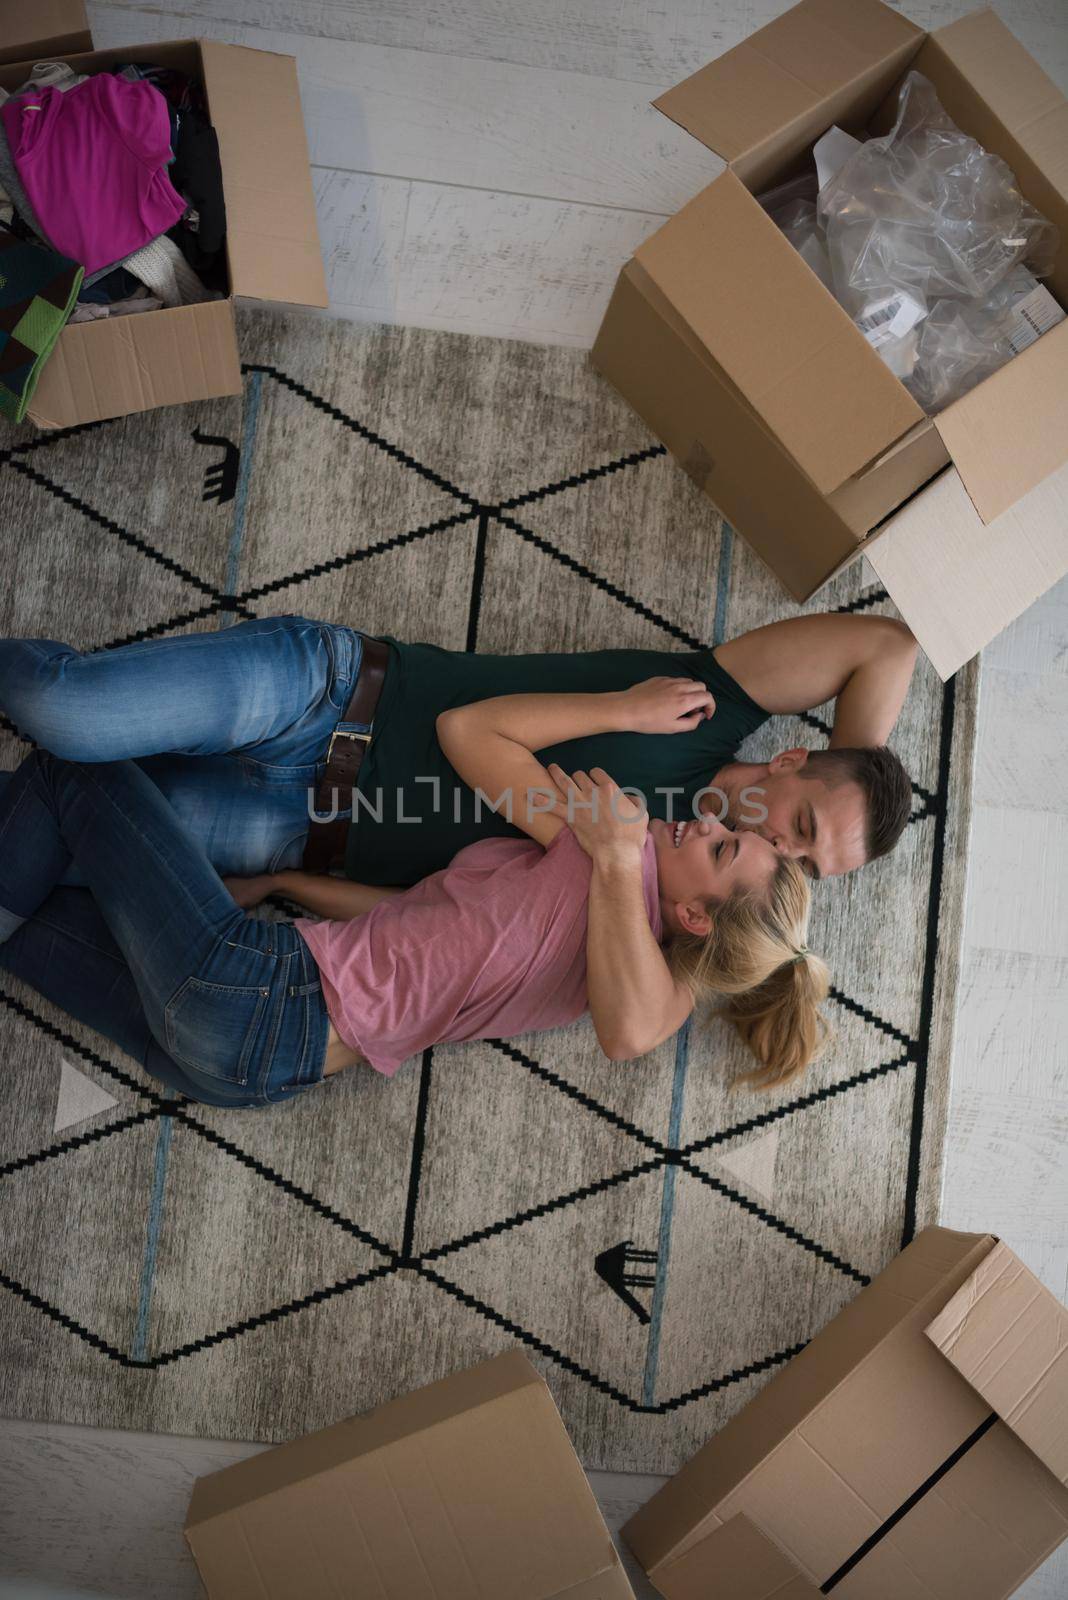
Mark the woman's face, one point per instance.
(699, 860)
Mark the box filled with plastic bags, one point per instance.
(853, 339)
(924, 238)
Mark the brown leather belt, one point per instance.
(326, 840)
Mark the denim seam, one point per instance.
(346, 680)
(175, 879)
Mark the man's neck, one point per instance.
(729, 782)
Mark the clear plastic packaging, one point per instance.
(928, 210)
(961, 342)
(920, 236)
(798, 221)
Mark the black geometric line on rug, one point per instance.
(927, 988)
(396, 541)
(911, 1054)
(665, 1155)
(601, 1385)
(669, 1158)
(208, 1341)
(764, 1119)
(109, 525)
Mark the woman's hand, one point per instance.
(666, 705)
(604, 820)
(250, 891)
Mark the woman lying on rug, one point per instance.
(633, 920)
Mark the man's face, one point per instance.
(821, 827)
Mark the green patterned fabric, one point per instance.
(38, 290)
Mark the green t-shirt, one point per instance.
(423, 680)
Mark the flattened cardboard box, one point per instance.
(115, 366)
(739, 359)
(917, 1449)
(468, 1489)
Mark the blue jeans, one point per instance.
(154, 952)
(231, 726)
(110, 893)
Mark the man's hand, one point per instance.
(666, 705)
(605, 821)
(250, 891)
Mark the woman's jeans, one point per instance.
(111, 905)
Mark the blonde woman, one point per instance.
(630, 920)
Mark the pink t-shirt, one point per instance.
(491, 946)
(93, 162)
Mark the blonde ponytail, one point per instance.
(756, 954)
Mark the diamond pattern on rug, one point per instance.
(658, 1237)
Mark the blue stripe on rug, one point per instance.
(667, 1211)
(723, 584)
(139, 1347)
(682, 1051)
(244, 478)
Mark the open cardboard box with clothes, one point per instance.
(741, 361)
(916, 1448)
(118, 365)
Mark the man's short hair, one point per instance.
(886, 786)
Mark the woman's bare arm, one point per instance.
(337, 898)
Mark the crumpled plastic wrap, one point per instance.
(921, 232)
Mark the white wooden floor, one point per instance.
(487, 166)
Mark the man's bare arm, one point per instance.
(862, 663)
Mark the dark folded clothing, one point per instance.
(197, 175)
(118, 284)
(38, 290)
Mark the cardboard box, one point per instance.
(916, 1449)
(738, 358)
(466, 1490)
(115, 366)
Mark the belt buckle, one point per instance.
(344, 733)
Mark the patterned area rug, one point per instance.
(658, 1243)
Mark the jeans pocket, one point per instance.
(345, 650)
(214, 1027)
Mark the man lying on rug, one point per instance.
(634, 920)
(235, 726)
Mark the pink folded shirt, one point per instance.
(93, 162)
(491, 946)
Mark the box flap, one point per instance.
(776, 332)
(781, 86)
(469, 1486)
(1008, 1336)
(958, 581)
(1024, 99)
(735, 1562)
(124, 364)
(217, 1493)
(44, 29)
(733, 1465)
(1012, 431)
(272, 236)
